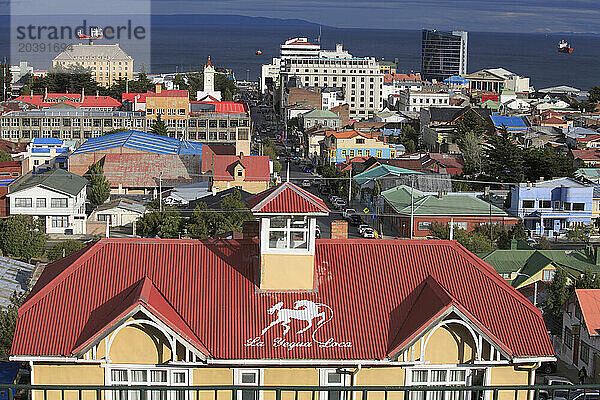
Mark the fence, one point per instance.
(70, 392)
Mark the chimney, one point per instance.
(250, 229)
(82, 94)
(339, 229)
(158, 88)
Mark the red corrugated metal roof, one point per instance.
(227, 107)
(141, 97)
(365, 287)
(589, 301)
(71, 99)
(256, 167)
(286, 198)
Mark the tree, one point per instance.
(63, 249)
(546, 163)
(180, 83)
(8, 323)
(588, 280)
(21, 237)
(594, 94)
(164, 224)
(227, 95)
(579, 233)
(504, 158)
(558, 292)
(99, 189)
(159, 127)
(224, 83)
(4, 156)
(543, 244)
(409, 138)
(206, 223)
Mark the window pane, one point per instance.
(438, 376)
(278, 222)
(277, 240)
(299, 222)
(158, 376)
(179, 377)
(139, 376)
(249, 395)
(419, 376)
(299, 240)
(158, 395)
(248, 377)
(118, 375)
(457, 376)
(334, 378)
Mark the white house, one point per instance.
(579, 344)
(56, 197)
(414, 100)
(118, 212)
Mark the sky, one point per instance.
(576, 16)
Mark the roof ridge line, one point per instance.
(37, 296)
(496, 278)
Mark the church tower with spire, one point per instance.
(209, 93)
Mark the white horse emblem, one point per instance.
(304, 310)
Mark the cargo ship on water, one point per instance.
(563, 47)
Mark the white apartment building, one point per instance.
(359, 78)
(298, 47)
(414, 100)
(56, 197)
(270, 72)
(332, 97)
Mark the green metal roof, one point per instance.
(320, 114)
(430, 204)
(530, 262)
(59, 179)
(380, 171)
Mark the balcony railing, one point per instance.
(242, 392)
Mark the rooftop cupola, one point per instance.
(287, 218)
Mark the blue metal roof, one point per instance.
(511, 123)
(142, 141)
(456, 79)
(47, 141)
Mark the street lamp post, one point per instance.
(534, 287)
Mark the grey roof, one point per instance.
(125, 204)
(93, 51)
(15, 276)
(449, 114)
(58, 179)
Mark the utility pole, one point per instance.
(350, 187)
(160, 191)
(489, 193)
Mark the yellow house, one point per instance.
(277, 309)
(249, 173)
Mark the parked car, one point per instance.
(576, 394)
(362, 227)
(548, 367)
(332, 198)
(550, 380)
(306, 183)
(348, 212)
(368, 233)
(339, 203)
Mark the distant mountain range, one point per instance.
(227, 20)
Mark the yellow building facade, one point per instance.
(108, 63)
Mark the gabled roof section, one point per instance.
(109, 315)
(428, 303)
(589, 302)
(58, 180)
(381, 171)
(287, 198)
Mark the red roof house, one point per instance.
(371, 303)
(249, 173)
(74, 100)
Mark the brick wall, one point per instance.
(339, 229)
(305, 97)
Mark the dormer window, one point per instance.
(288, 232)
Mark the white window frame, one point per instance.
(309, 230)
(237, 380)
(171, 371)
(324, 381)
(448, 395)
